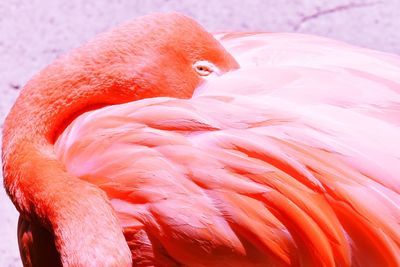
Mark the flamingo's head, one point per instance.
(182, 55)
(158, 55)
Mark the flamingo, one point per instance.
(291, 160)
(63, 219)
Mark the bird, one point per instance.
(65, 220)
(290, 160)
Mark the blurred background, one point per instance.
(34, 32)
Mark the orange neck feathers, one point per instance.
(148, 57)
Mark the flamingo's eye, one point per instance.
(205, 68)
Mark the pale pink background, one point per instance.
(34, 32)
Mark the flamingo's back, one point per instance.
(291, 161)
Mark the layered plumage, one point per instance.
(293, 160)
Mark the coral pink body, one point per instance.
(293, 160)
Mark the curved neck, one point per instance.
(38, 184)
(125, 64)
(46, 105)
